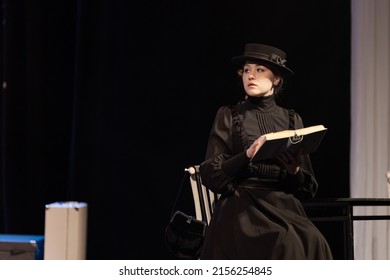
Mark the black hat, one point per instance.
(264, 53)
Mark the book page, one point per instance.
(291, 133)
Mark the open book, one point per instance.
(306, 139)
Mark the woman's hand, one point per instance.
(256, 145)
(290, 161)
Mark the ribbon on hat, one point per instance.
(277, 59)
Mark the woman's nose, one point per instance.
(251, 76)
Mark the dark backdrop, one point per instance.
(107, 102)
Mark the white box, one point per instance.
(65, 231)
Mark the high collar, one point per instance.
(262, 104)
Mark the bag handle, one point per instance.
(178, 193)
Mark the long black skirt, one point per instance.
(258, 223)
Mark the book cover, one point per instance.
(308, 139)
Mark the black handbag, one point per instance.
(184, 234)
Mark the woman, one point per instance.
(259, 215)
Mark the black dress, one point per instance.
(259, 215)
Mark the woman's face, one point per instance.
(258, 80)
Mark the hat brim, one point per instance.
(240, 60)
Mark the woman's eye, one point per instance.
(260, 70)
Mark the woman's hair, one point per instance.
(279, 87)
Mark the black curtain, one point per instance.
(107, 102)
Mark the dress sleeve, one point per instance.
(221, 164)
